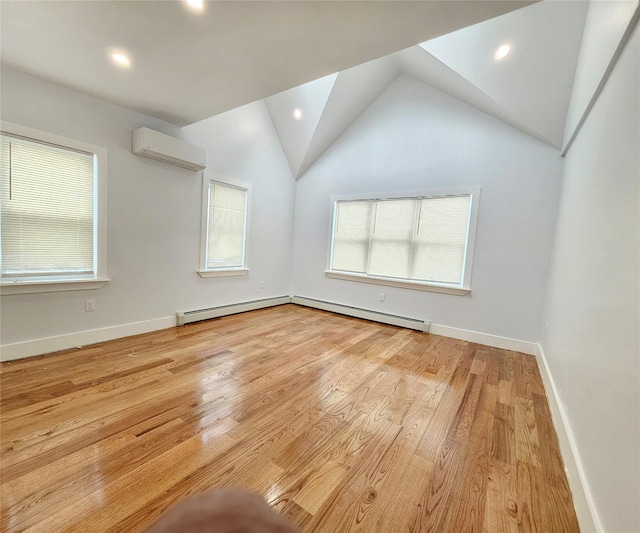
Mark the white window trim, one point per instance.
(405, 284)
(223, 273)
(446, 288)
(31, 287)
(203, 271)
(35, 285)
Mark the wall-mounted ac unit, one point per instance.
(156, 145)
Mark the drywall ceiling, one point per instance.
(533, 83)
(188, 65)
(529, 89)
(329, 106)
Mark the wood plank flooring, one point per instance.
(341, 424)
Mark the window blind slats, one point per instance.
(351, 237)
(226, 230)
(419, 239)
(441, 239)
(390, 247)
(47, 209)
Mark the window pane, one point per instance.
(226, 231)
(391, 238)
(228, 197)
(414, 239)
(441, 239)
(47, 209)
(351, 236)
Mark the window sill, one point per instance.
(223, 273)
(31, 287)
(432, 287)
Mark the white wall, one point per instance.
(154, 213)
(242, 145)
(593, 310)
(416, 137)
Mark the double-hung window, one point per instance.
(225, 213)
(51, 233)
(423, 242)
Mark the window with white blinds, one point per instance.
(420, 240)
(48, 215)
(226, 227)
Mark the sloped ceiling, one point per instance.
(337, 56)
(339, 100)
(533, 83)
(530, 89)
(187, 65)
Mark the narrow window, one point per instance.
(226, 227)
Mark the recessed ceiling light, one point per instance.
(120, 59)
(502, 52)
(195, 4)
(297, 113)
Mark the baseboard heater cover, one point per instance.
(186, 317)
(375, 316)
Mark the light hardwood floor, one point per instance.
(341, 424)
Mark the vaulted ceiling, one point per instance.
(529, 89)
(329, 60)
(189, 64)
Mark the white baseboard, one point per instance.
(421, 325)
(20, 350)
(496, 341)
(582, 499)
(9, 352)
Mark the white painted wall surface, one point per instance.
(604, 27)
(593, 309)
(242, 144)
(416, 137)
(154, 213)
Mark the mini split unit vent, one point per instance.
(156, 145)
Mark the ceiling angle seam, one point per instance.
(605, 77)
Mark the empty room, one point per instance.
(320, 266)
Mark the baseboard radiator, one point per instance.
(375, 316)
(186, 317)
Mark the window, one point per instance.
(419, 242)
(224, 229)
(50, 228)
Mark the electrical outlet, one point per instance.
(89, 305)
(382, 296)
(262, 284)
